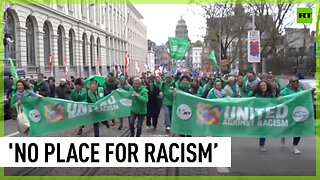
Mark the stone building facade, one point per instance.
(90, 37)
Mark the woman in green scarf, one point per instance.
(196, 88)
(186, 87)
(185, 84)
(263, 90)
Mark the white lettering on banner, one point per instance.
(284, 109)
(76, 110)
(115, 152)
(242, 113)
(244, 116)
(273, 123)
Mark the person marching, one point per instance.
(139, 105)
(79, 94)
(249, 84)
(152, 106)
(41, 87)
(217, 91)
(232, 89)
(111, 84)
(63, 91)
(167, 90)
(94, 94)
(207, 87)
(262, 90)
(185, 84)
(22, 90)
(123, 85)
(291, 88)
(196, 88)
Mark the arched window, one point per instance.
(84, 48)
(9, 30)
(30, 42)
(60, 46)
(46, 43)
(98, 49)
(91, 50)
(71, 48)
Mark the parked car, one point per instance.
(309, 84)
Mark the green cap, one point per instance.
(122, 77)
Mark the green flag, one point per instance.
(213, 57)
(13, 72)
(288, 116)
(178, 47)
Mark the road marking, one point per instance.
(12, 134)
(223, 170)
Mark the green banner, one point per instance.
(50, 115)
(288, 116)
(178, 47)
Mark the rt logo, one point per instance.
(304, 15)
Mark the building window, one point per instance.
(60, 46)
(91, 12)
(30, 42)
(98, 53)
(9, 30)
(98, 49)
(84, 9)
(46, 43)
(84, 48)
(91, 50)
(98, 14)
(71, 48)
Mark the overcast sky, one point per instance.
(161, 21)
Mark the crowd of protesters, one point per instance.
(150, 93)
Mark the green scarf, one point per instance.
(234, 91)
(39, 83)
(185, 88)
(94, 97)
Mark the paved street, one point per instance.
(247, 160)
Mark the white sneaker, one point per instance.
(263, 149)
(283, 141)
(168, 129)
(295, 150)
(148, 127)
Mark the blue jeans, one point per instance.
(168, 115)
(262, 141)
(133, 117)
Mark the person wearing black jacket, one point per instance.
(52, 86)
(41, 86)
(152, 106)
(111, 84)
